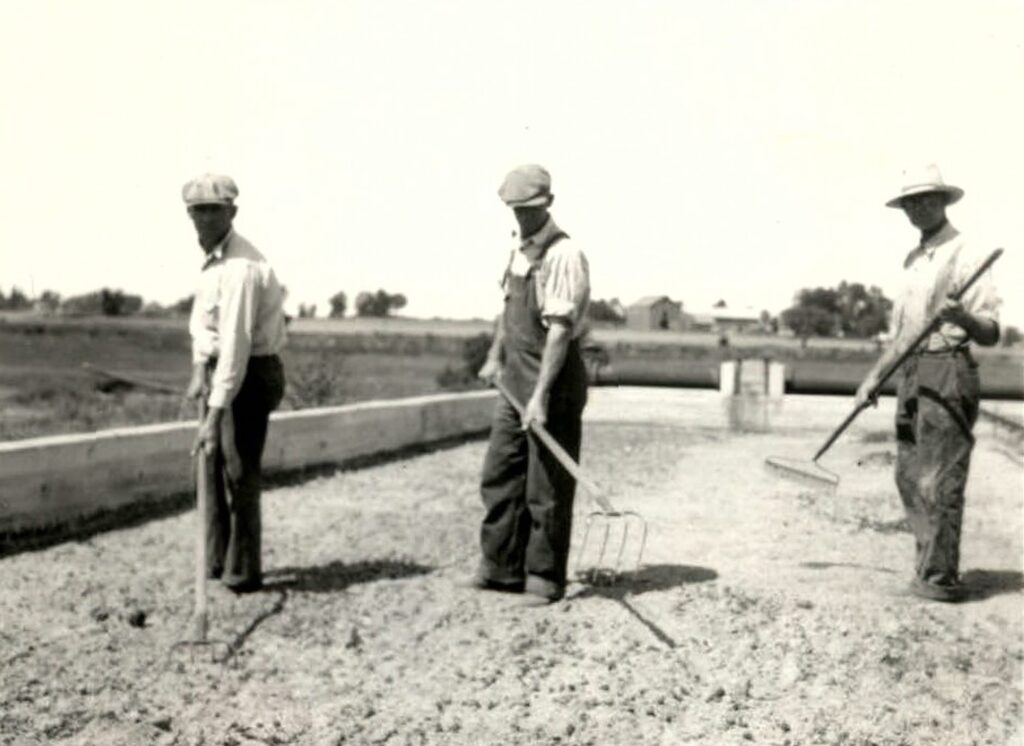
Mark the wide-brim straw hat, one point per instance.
(926, 180)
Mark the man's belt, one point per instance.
(958, 350)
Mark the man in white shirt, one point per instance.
(237, 328)
(938, 395)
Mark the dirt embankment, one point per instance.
(764, 612)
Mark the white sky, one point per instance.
(738, 150)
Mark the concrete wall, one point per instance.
(48, 483)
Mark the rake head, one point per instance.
(217, 650)
(809, 473)
(612, 546)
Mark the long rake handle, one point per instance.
(928, 329)
(202, 466)
(558, 452)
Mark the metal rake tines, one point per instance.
(218, 650)
(809, 473)
(612, 545)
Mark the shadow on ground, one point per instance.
(645, 580)
(982, 584)
(337, 576)
(855, 565)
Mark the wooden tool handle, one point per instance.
(201, 463)
(895, 365)
(559, 453)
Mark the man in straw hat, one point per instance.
(237, 328)
(527, 494)
(938, 394)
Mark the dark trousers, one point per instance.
(233, 511)
(936, 411)
(528, 499)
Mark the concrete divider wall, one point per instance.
(46, 483)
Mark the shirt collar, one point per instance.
(535, 246)
(217, 252)
(928, 246)
(946, 233)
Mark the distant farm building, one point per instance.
(724, 320)
(655, 312)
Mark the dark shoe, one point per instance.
(248, 586)
(477, 583)
(946, 592)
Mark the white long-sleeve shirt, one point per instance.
(237, 314)
(937, 267)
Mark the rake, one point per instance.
(611, 528)
(199, 641)
(813, 473)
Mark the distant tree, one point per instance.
(16, 301)
(307, 312)
(183, 307)
(104, 301)
(49, 301)
(396, 302)
(849, 310)
(809, 321)
(339, 304)
(719, 304)
(863, 312)
(119, 303)
(1010, 336)
(378, 304)
(610, 311)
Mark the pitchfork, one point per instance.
(613, 527)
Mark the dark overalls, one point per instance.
(527, 494)
(233, 533)
(936, 410)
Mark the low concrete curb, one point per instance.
(50, 484)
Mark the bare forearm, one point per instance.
(556, 346)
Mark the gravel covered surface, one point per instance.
(765, 611)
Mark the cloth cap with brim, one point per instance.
(210, 189)
(526, 186)
(927, 180)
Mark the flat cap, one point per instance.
(526, 186)
(210, 189)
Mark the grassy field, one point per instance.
(44, 388)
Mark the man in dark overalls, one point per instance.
(938, 395)
(527, 494)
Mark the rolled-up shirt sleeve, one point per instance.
(239, 286)
(566, 285)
